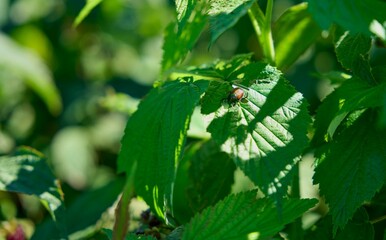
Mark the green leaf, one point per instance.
(210, 177)
(382, 118)
(242, 215)
(353, 15)
(154, 137)
(90, 5)
(352, 51)
(181, 36)
(27, 172)
(214, 96)
(294, 32)
(352, 95)
(85, 211)
(225, 14)
(357, 228)
(219, 70)
(379, 74)
(32, 70)
(353, 168)
(266, 135)
(262, 162)
(211, 173)
(349, 47)
(360, 97)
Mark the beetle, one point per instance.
(237, 94)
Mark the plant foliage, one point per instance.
(260, 126)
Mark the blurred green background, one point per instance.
(68, 91)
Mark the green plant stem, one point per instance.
(262, 26)
(270, 54)
(257, 19)
(378, 219)
(296, 230)
(122, 215)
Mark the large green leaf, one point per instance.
(30, 69)
(154, 137)
(90, 5)
(293, 32)
(353, 15)
(84, 212)
(353, 168)
(265, 135)
(210, 175)
(242, 216)
(27, 172)
(225, 14)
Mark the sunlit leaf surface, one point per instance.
(241, 216)
(154, 138)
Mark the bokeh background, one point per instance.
(68, 91)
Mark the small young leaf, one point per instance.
(352, 95)
(353, 15)
(90, 5)
(362, 96)
(293, 32)
(154, 137)
(242, 215)
(352, 168)
(352, 51)
(265, 135)
(27, 172)
(225, 14)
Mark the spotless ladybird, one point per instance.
(236, 95)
